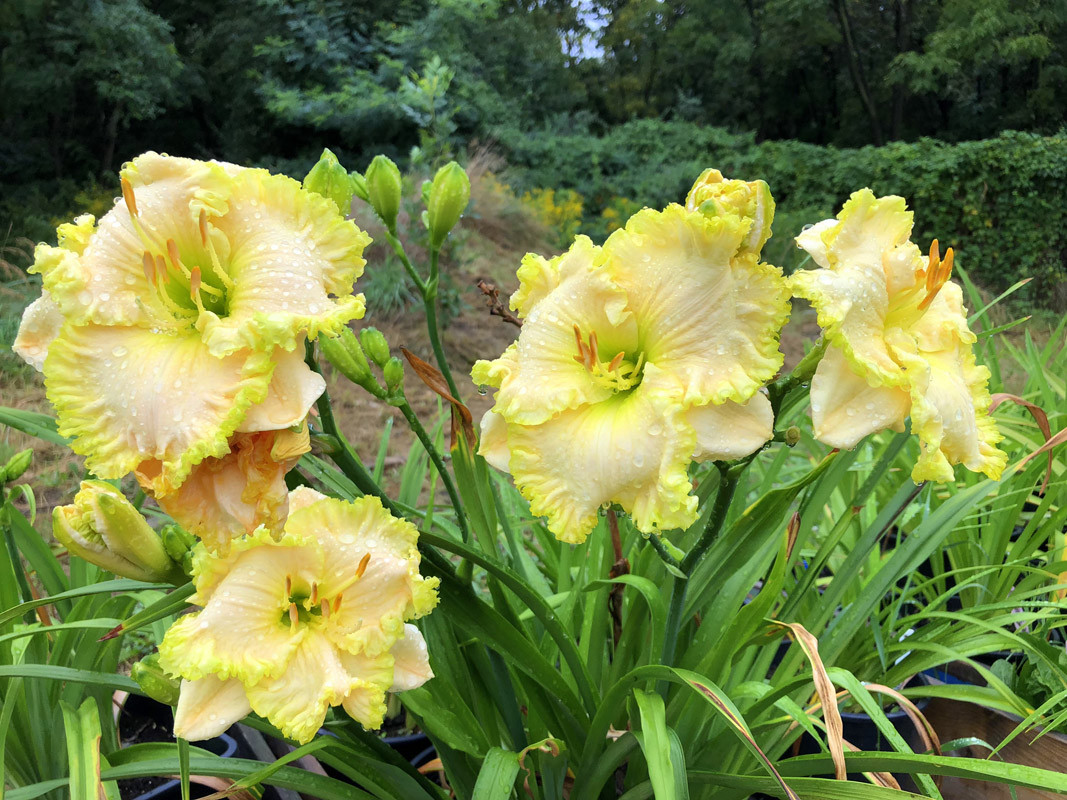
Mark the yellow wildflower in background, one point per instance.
(637, 357)
(293, 626)
(177, 322)
(899, 343)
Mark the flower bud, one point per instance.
(331, 180)
(374, 345)
(345, 353)
(393, 372)
(104, 528)
(154, 682)
(713, 196)
(179, 544)
(16, 465)
(384, 189)
(359, 186)
(449, 195)
(792, 436)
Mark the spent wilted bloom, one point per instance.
(178, 320)
(295, 625)
(898, 341)
(636, 357)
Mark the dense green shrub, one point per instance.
(1002, 202)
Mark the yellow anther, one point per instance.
(161, 269)
(127, 195)
(294, 616)
(362, 565)
(614, 365)
(314, 599)
(324, 607)
(288, 585)
(337, 604)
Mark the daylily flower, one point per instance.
(635, 358)
(898, 341)
(177, 322)
(293, 626)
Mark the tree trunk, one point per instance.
(855, 68)
(111, 133)
(903, 30)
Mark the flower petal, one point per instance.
(294, 388)
(302, 497)
(731, 430)
(949, 392)
(295, 701)
(128, 395)
(870, 262)
(411, 661)
(811, 240)
(233, 495)
(632, 449)
(208, 707)
(293, 259)
(40, 325)
(373, 607)
(706, 313)
(106, 283)
(243, 630)
(845, 407)
(493, 444)
(547, 350)
(371, 678)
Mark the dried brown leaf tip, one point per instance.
(496, 306)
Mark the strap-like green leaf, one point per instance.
(497, 776)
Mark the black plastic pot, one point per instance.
(144, 720)
(410, 746)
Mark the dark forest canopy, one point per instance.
(86, 84)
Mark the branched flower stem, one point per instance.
(439, 464)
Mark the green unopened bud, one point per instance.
(179, 544)
(331, 180)
(104, 528)
(359, 186)
(384, 189)
(449, 195)
(154, 682)
(374, 345)
(346, 354)
(393, 372)
(16, 465)
(714, 196)
(792, 435)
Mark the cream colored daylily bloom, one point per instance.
(177, 322)
(899, 343)
(636, 357)
(293, 626)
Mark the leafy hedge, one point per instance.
(1002, 203)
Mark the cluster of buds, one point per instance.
(446, 197)
(353, 357)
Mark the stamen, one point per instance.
(324, 607)
(593, 347)
(203, 227)
(161, 268)
(337, 603)
(294, 617)
(149, 265)
(127, 195)
(205, 237)
(581, 344)
(614, 365)
(938, 272)
(314, 599)
(362, 565)
(288, 585)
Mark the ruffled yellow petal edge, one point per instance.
(106, 455)
(538, 276)
(339, 518)
(335, 241)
